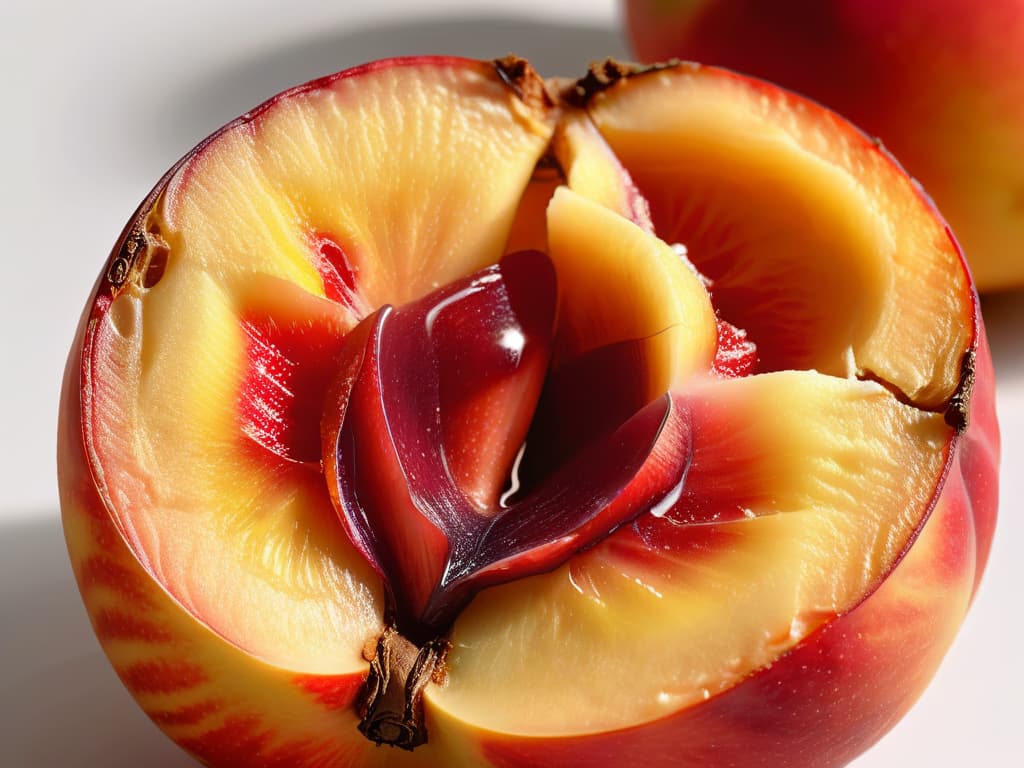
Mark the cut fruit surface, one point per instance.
(374, 160)
(815, 244)
(592, 169)
(182, 478)
(618, 282)
(208, 386)
(477, 413)
(796, 502)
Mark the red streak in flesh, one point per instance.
(290, 364)
(337, 272)
(102, 571)
(736, 355)
(289, 368)
(115, 624)
(331, 692)
(188, 714)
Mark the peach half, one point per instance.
(645, 419)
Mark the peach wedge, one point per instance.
(434, 414)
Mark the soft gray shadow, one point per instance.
(1004, 321)
(200, 107)
(62, 705)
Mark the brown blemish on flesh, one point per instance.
(370, 649)
(142, 256)
(866, 374)
(151, 269)
(120, 268)
(525, 82)
(602, 75)
(958, 410)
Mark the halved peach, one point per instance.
(640, 420)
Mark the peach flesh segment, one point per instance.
(220, 511)
(814, 245)
(593, 170)
(375, 163)
(185, 481)
(654, 291)
(821, 482)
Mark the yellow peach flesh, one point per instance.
(617, 282)
(253, 547)
(836, 474)
(821, 243)
(380, 163)
(276, 574)
(593, 170)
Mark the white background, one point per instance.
(100, 98)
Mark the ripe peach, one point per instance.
(941, 83)
(645, 419)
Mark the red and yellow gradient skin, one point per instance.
(940, 83)
(819, 704)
